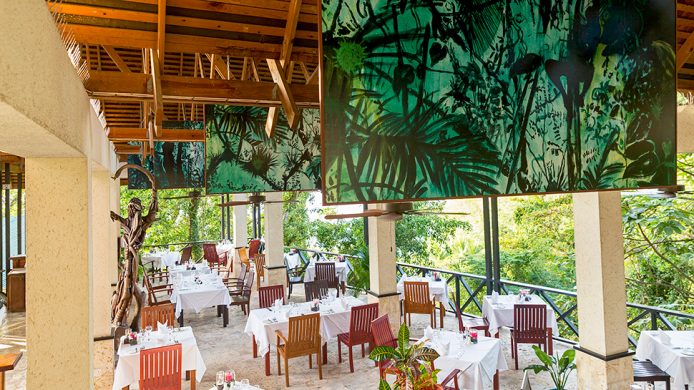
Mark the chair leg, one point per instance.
(339, 351)
(515, 348)
(255, 348)
(363, 353)
(279, 365)
(286, 371)
(667, 384)
(310, 361)
(320, 364)
(351, 361)
(442, 312)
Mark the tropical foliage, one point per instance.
(559, 368)
(241, 158)
(173, 164)
(466, 97)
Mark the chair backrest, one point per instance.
(417, 296)
(160, 368)
(259, 260)
(360, 322)
(186, 254)
(303, 334)
(382, 333)
(459, 315)
(243, 256)
(210, 251)
(150, 315)
(316, 289)
(269, 294)
(248, 286)
(253, 248)
(325, 271)
(530, 322)
(151, 296)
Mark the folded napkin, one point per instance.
(495, 297)
(428, 332)
(444, 347)
(278, 303)
(162, 328)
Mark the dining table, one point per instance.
(199, 291)
(334, 320)
(500, 313)
(672, 352)
(161, 259)
(127, 370)
(225, 248)
(479, 363)
(189, 269)
(437, 288)
(341, 271)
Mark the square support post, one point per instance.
(275, 272)
(382, 267)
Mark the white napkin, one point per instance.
(278, 303)
(283, 315)
(162, 328)
(664, 338)
(445, 346)
(343, 303)
(428, 332)
(495, 297)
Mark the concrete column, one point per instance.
(382, 271)
(114, 229)
(275, 272)
(240, 228)
(59, 274)
(602, 319)
(102, 257)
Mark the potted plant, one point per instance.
(412, 364)
(559, 368)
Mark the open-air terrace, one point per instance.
(347, 194)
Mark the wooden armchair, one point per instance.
(210, 251)
(243, 256)
(236, 282)
(450, 382)
(303, 340)
(160, 368)
(294, 275)
(163, 313)
(530, 327)
(152, 291)
(259, 260)
(383, 335)
(243, 298)
(418, 301)
(326, 271)
(471, 323)
(186, 254)
(359, 331)
(315, 290)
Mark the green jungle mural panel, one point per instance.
(174, 164)
(454, 98)
(240, 158)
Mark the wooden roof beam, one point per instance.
(122, 66)
(220, 67)
(167, 135)
(156, 93)
(125, 149)
(291, 110)
(285, 54)
(685, 51)
(134, 87)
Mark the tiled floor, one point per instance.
(224, 348)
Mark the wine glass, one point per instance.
(220, 380)
(148, 331)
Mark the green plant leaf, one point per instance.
(544, 358)
(382, 352)
(403, 338)
(537, 368)
(383, 385)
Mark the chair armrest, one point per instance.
(452, 377)
(162, 287)
(279, 335)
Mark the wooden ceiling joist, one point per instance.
(123, 134)
(291, 111)
(126, 149)
(116, 86)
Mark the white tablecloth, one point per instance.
(341, 270)
(438, 289)
(225, 248)
(477, 362)
(189, 295)
(501, 313)
(161, 259)
(293, 260)
(128, 369)
(674, 358)
(262, 323)
(200, 268)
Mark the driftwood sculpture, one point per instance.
(134, 229)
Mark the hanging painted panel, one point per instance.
(241, 158)
(456, 98)
(174, 164)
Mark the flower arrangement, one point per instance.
(131, 338)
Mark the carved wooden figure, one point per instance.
(134, 229)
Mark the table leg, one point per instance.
(550, 342)
(325, 353)
(180, 319)
(496, 380)
(2, 380)
(193, 380)
(267, 363)
(219, 311)
(224, 309)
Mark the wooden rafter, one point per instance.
(157, 95)
(117, 86)
(278, 70)
(685, 51)
(122, 66)
(126, 149)
(167, 135)
(219, 67)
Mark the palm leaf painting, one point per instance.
(173, 164)
(240, 158)
(458, 98)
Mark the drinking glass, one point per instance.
(148, 331)
(220, 380)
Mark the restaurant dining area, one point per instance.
(347, 194)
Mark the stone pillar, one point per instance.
(59, 324)
(602, 360)
(102, 257)
(275, 272)
(240, 228)
(114, 228)
(383, 280)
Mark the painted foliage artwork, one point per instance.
(174, 164)
(240, 157)
(453, 98)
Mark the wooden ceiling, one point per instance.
(155, 60)
(149, 61)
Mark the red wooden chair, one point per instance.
(152, 298)
(315, 290)
(210, 252)
(418, 300)
(266, 298)
(326, 271)
(383, 335)
(471, 323)
(160, 368)
(530, 327)
(163, 313)
(359, 331)
(253, 248)
(186, 254)
(243, 298)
